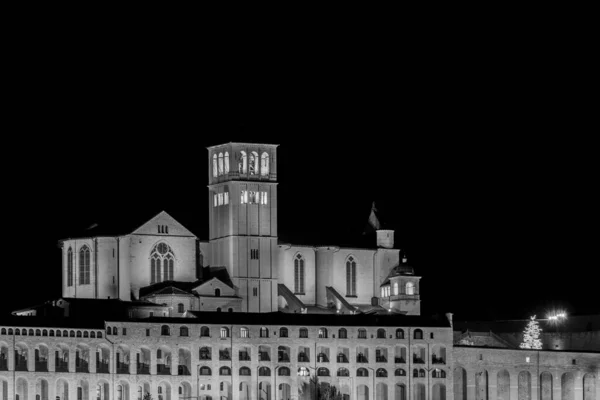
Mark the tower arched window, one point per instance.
(351, 276)
(299, 274)
(84, 265)
(70, 267)
(252, 168)
(264, 164)
(243, 163)
(226, 162)
(217, 292)
(162, 263)
(220, 164)
(215, 167)
(410, 288)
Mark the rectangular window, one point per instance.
(147, 332)
(226, 198)
(220, 197)
(254, 255)
(255, 291)
(215, 200)
(244, 197)
(124, 331)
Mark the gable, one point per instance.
(208, 288)
(162, 224)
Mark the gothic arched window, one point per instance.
(253, 163)
(84, 265)
(264, 164)
(350, 277)
(299, 274)
(220, 164)
(226, 162)
(410, 288)
(70, 267)
(243, 163)
(215, 168)
(162, 262)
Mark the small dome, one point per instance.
(403, 269)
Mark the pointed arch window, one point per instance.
(220, 164)
(162, 263)
(351, 276)
(84, 265)
(253, 163)
(243, 163)
(226, 162)
(70, 267)
(215, 168)
(299, 274)
(264, 164)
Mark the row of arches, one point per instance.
(322, 333)
(248, 163)
(101, 390)
(547, 383)
(51, 332)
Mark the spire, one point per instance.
(373, 223)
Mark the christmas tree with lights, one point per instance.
(531, 336)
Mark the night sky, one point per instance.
(486, 171)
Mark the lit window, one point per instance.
(216, 200)
(224, 332)
(220, 164)
(162, 263)
(226, 162)
(299, 274)
(220, 197)
(215, 169)
(243, 164)
(264, 164)
(253, 160)
(84, 265)
(350, 277)
(70, 267)
(226, 198)
(410, 288)
(244, 332)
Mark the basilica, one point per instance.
(157, 313)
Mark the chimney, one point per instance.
(385, 238)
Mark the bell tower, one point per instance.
(242, 194)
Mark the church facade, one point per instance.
(158, 314)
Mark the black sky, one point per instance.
(485, 165)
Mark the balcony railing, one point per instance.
(162, 369)
(61, 366)
(143, 369)
(102, 367)
(41, 366)
(122, 368)
(437, 360)
(283, 357)
(223, 356)
(82, 366)
(264, 356)
(183, 370)
(244, 356)
(302, 357)
(21, 365)
(418, 360)
(404, 297)
(399, 360)
(362, 359)
(381, 359)
(322, 358)
(342, 358)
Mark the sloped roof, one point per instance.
(169, 287)
(117, 225)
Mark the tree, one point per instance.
(531, 336)
(147, 396)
